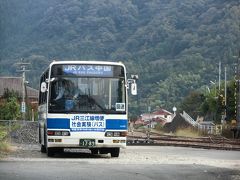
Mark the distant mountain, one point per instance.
(174, 46)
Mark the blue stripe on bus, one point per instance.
(64, 123)
(58, 123)
(118, 124)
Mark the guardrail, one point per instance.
(189, 119)
(207, 129)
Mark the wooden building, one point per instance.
(15, 84)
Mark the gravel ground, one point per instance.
(134, 155)
(26, 148)
(26, 134)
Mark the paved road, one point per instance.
(135, 162)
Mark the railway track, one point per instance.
(209, 142)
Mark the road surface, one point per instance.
(135, 162)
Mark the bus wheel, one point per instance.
(103, 150)
(43, 149)
(115, 152)
(94, 151)
(50, 152)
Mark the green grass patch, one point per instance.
(3, 133)
(188, 132)
(5, 149)
(140, 126)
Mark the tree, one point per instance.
(192, 104)
(10, 110)
(231, 106)
(9, 107)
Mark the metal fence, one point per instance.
(210, 128)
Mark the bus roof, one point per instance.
(88, 62)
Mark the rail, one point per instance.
(209, 142)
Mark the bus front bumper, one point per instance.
(67, 142)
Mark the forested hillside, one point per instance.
(174, 45)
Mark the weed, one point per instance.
(187, 132)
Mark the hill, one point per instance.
(174, 46)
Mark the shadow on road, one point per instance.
(80, 153)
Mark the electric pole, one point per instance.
(219, 76)
(238, 94)
(225, 93)
(23, 69)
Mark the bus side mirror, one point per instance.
(133, 84)
(134, 88)
(43, 87)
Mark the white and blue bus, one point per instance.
(83, 104)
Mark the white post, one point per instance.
(225, 92)
(219, 77)
(23, 94)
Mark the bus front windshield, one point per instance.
(87, 95)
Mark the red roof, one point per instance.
(162, 112)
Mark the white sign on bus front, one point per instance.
(88, 123)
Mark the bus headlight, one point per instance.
(116, 134)
(109, 134)
(65, 133)
(58, 133)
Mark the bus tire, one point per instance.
(43, 149)
(39, 135)
(59, 150)
(104, 151)
(94, 151)
(115, 152)
(50, 152)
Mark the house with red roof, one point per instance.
(161, 116)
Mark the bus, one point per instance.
(84, 104)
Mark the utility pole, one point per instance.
(236, 128)
(238, 94)
(23, 70)
(219, 77)
(225, 93)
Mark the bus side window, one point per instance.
(43, 95)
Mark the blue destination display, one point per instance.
(88, 70)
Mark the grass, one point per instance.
(188, 132)
(5, 147)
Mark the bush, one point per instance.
(10, 109)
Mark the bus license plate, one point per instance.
(87, 142)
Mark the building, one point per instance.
(207, 127)
(161, 116)
(15, 84)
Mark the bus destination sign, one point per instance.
(88, 70)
